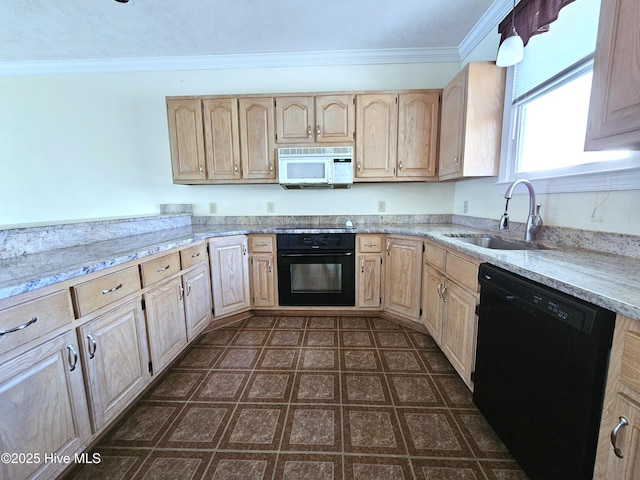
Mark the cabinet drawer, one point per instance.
(91, 295)
(33, 319)
(261, 244)
(191, 255)
(162, 267)
(434, 255)
(462, 271)
(369, 243)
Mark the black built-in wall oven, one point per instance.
(316, 269)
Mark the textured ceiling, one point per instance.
(61, 30)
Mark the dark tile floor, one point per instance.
(283, 397)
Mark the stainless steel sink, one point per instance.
(494, 243)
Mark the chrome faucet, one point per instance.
(534, 221)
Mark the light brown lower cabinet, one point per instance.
(166, 323)
(115, 360)
(450, 296)
(230, 274)
(197, 299)
(403, 271)
(369, 270)
(43, 409)
(618, 455)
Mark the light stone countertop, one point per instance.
(608, 280)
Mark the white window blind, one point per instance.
(570, 39)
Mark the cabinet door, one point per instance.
(627, 440)
(403, 271)
(257, 135)
(116, 361)
(263, 280)
(221, 138)
(295, 120)
(197, 299)
(165, 323)
(432, 285)
(614, 114)
(335, 118)
(43, 408)
(369, 281)
(229, 275)
(186, 139)
(459, 329)
(376, 136)
(418, 115)
(452, 126)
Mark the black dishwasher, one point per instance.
(541, 364)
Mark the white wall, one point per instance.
(93, 146)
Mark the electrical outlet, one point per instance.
(382, 205)
(465, 206)
(270, 207)
(213, 207)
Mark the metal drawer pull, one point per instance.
(444, 293)
(180, 292)
(162, 269)
(370, 244)
(195, 255)
(439, 289)
(93, 346)
(117, 287)
(614, 436)
(19, 327)
(260, 244)
(73, 357)
(188, 288)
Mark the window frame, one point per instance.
(594, 177)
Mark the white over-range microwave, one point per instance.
(305, 167)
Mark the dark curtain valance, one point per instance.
(532, 17)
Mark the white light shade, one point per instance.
(511, 51)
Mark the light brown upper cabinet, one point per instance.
(186, 139)
(315, 119)
(397, 136)
(471, 123)
(222, 139)
(614, 113)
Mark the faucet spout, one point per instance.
(534, 220)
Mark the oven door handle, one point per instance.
(313, 254)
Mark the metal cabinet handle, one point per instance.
(235, 169)
(261, 244)
(456, 161)
(614, 436)
(270, 267)
(72, 358)
(359, 166)
(439, 290)
(400, 165)
(244, 249)
(195, 255)
(318, 130)
(201, 170)
(93, 346)
(362, 266)
(188, 289)
(180, 292)
(444, 293)
(388, 247)
(309, 131)
(370, 244)
(117, 287)
(162, 269)
(19, 327)
(271, 168)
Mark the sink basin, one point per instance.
(494, 243)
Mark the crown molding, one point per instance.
(488, 22)
(213, 62)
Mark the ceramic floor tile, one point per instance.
(313, 428)
(309, 467)
(222, 385)
(305, 397)
(241, 466)
(377, 468)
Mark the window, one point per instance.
(546, 112)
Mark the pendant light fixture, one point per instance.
(511, 51)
